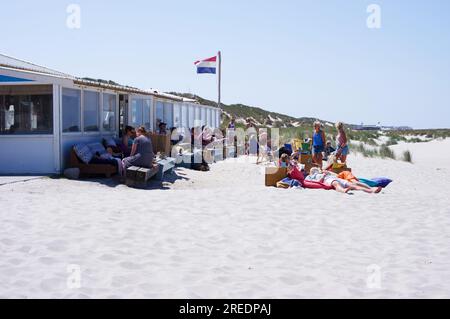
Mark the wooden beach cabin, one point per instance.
(44, 113)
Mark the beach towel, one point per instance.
(376, 182)
(288, 183)
(316, 185)
(382, 181)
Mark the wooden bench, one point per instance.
(139, 176)
(91, 169)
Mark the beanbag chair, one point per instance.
(376, 182)
(368, 182)
(316, 185)
(382, 181)
(297, 175)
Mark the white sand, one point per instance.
(223, 234)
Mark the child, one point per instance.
(284, 160)
(328, 150)
(342, 143)
(318, 143)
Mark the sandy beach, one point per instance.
(222, 234)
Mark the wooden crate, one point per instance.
(274, 175)
(161, 143)
(139, 176)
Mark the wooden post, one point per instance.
(219, 56)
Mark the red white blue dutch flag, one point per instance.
(207, 66)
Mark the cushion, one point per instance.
(97, 148)
(382, 181)
(109, 141)
(83, 152)
(368, 182)
(376, 182)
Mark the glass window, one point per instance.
(198, 116)
(208, 117)
(203, 117)
(26, 114)
(71, 110)
(91, 110)
(168, 114)
(136, 112)
(213, 118)
(191, 116)
(147, 114)
(159, 112)
(109, 112)
(176, 115)
(184, 116)
(217, 118)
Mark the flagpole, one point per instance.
(219, 55)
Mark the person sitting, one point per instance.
(127, 140)
(207, 136)
(162, 128)
(232, 124)
(284, 160)
(141, 152)
(175, 136)
(318, 143)
(328, 150)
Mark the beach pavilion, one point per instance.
(43, 113)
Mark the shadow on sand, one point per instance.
(116, 181)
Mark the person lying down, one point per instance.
(340, 185)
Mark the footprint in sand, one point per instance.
(57, 245)
(47, 260)
(7, 241)
(130, 265)
(52, 284)
(108, 257)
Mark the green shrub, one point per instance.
(386, 152)
(392, 141)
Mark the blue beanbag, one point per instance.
(368, 182)
(376, 182)
(382, 181)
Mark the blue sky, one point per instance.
(302, 58)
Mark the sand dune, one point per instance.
(223, 234)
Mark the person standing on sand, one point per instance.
(341, 143)
(232, 124)
(318, 143)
